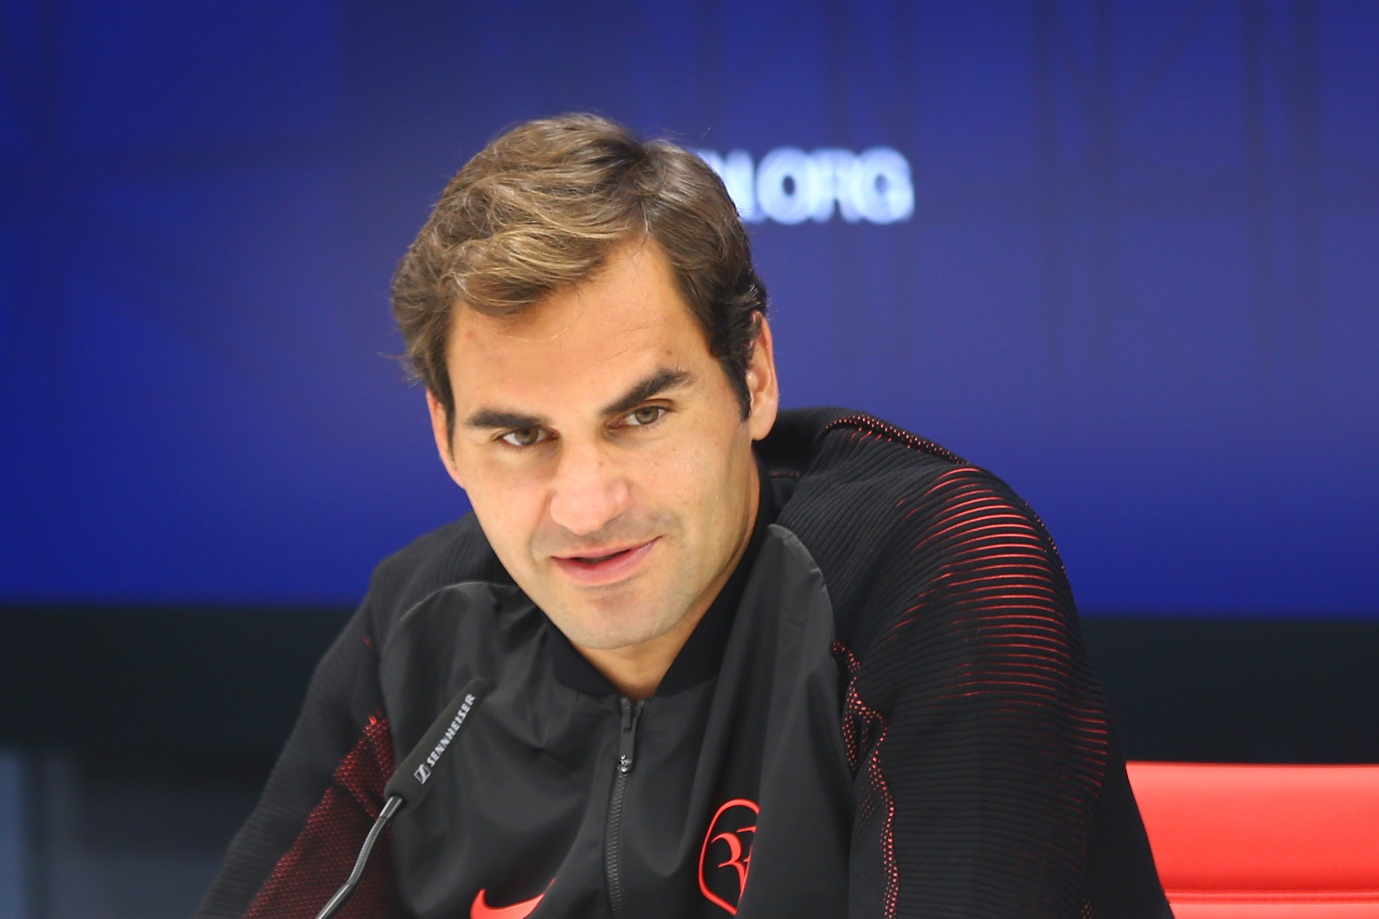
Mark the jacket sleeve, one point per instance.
(988, 778)
(988, 781)
(324, 793)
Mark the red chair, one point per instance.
(1263, 841)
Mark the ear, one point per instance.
(761, 383)
(440, 429)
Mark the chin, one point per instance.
(613, 636)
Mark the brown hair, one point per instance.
(542, 207)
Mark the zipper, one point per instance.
(627, 750)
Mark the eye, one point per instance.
(647, 414)
(524, 437)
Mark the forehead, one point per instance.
(624, 322)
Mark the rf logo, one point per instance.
(726, 857)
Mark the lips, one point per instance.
(592, 560)
(604, 565)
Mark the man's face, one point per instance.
(605, 454)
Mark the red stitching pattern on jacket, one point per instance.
(864, 729)
(324, 852)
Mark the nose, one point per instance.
(588, 490)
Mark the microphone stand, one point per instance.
(407, 786)
(393, 805)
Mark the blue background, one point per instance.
(1138, 283)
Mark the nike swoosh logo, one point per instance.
(481, 909)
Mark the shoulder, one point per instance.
(452, 554)
(848, 484)
(895, 521)
(850, 466)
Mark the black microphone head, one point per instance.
(415, 776)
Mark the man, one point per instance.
(745, 662)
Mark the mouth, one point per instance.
(604, 566)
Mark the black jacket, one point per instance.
(887, 712)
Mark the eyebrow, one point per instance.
(648, 388)
(486, 418)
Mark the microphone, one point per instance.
(409, 782)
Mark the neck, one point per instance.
(635, 677)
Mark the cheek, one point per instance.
(703, 477)
(505, 519)
(689, 473)
(497, 494)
